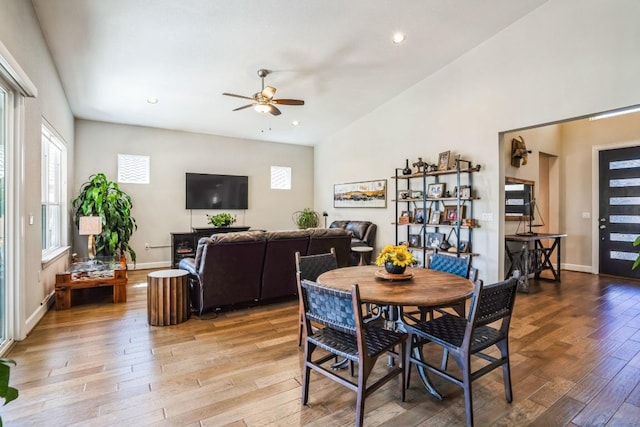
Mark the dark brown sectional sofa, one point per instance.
(255, 266)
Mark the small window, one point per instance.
(133, 169)
(280, 178)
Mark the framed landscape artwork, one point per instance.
(364, 194)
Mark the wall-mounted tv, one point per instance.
(206, 191)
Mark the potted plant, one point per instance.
(104, 198)
(221, 220)
(306, 218)
(395, 259)
(6, 392)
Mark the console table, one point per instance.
(183, 245)
(528, 254)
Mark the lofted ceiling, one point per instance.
(336, 55)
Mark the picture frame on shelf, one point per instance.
(465, 191)
(463, 246)
(405, 217)
(435, 190)
(434, 240)
(443, 160)
(451, 214)
(434, 218)
(414, 241)
(421, 215)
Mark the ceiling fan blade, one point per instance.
(273, 110)
(237, 96)
(288, 101)
(243, 107)
(268, 92)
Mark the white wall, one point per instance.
(20, 33)
(566, 59)
(159, 208)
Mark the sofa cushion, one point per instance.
(241, 236)
(358, 228)
(339, 224)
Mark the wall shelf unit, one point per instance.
(435, 206)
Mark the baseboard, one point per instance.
(579, 268)
(37, 315)
(148, 265)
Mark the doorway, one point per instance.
(619, 211)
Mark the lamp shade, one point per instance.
(90, 225)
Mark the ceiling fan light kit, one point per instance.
(263, 101)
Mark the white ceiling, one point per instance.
(336, 55)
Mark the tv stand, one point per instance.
(183, 245)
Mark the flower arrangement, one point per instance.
(221, 219)
(397, 255)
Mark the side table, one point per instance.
(167, 297)
(362, 250)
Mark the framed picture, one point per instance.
(463, 246)
(421, 215)
(365, 194)
(414, 240)
(435, 190)
(434, 239)
(451, 214)
(465, 192)
(443, 161)
(435, 217)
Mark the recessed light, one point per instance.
(152, 100)
(398, 38)
(295, 123)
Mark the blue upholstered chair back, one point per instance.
(451, 264)
(329, 307)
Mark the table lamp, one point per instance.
(91, 225)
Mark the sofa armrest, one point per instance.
(188, 264)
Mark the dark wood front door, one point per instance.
(619, 220)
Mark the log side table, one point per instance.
(167, 297)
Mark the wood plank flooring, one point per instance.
(575, 353)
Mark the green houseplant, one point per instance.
(637, 261)
(6, 392)
(306, 218)
(104, 198)
(221, 220)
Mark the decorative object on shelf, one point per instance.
(435, 217)
(365, 194)
(421, 215)
(403, 195)
(416, 194)
(306, 218)
(420, 164)
(463, 246)
(435, 190)
(407, 169)
(395, 259)
(104, 198)
(443, 160)
(414, 241)
(451, 214)
(465, 192)
(405, 218)
(221, 220)
(433, 167)
(469, 222)
(519, 152)
(434, 239)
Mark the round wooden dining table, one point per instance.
(425, 288)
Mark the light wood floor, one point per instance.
(575, 353)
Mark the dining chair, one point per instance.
(460, 266)
(309, 267)
(466, 337)
(343, 333)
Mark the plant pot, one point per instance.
(391, 268)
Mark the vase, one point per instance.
(407, 169)
(391, 268)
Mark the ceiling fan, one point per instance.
(263, 101)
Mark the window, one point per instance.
(53, 192)
(280, 178)
(133, 169)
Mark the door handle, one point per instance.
(603, 219)
(602, 227)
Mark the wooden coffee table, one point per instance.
(91, 274)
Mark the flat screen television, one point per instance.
(206, 191)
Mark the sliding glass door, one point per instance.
(3, 233)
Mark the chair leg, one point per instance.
(506, 370)
(405, 367)
(445, 359)
(468, 395)
(306, 372)
(300, 328)
(361, 394)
